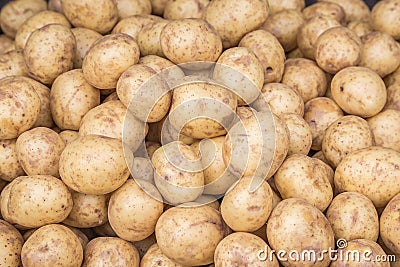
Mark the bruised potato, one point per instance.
(11, 242)
(10, 168)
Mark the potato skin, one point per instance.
(133, 24)
(300, 135)
(11, 242)
(12, 64)
(84, 39)
(393, 97)
(324, 8)
(10, 168)
(388, 225)
(384, 18)
(127, 8)
(181, 9)
(385, 127)
(154, 257)
(276, 6)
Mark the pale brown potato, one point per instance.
(295, 53)
(71, 97)
(320, 155)
(148, 38)
(304, 76)
(83, 239)
(34, 201)
(38, 21)
(15, 13)
(39, 151)
(243, 249)
(55, 5)
(85, 168)
(12, 64)
(370, 171)
(297, 225)
(84, 39)
(11, 242)
(127, 8)
(279, 5)
(300, 135)
(19, 106)
(319, 113)
(285, 25)
(348, 133)
(108, 58)
(199, 227)
(361, 28)
(338, 48)
(355, 10)
(208, 200)
(393, 97)
(49, 52)
(133, 24)
(57, 246)
(385, 128)
(68, 136)
(6, 44)
(154, 257)
(392, 78)
(353, 216)
(10, 168)
(325, 8)
(389, 231)
(384, 17)
(348, 88)
(181, 9)
(158, 6)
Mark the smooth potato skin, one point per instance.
(385, 127)
(127, 8)
(148, 38)
(355, 10)
(328, 9)
(154, 257)
(300, 136)
(389, 231)
(133, 24)
(84, 39)
(384, 18)
(10, 168)
(181, 9)
(11, 242)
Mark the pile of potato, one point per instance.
(197, 132)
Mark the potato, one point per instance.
(55, 5)
(19, 106)
(49, 52)
(187, 40)
(71, 97)
(387, 48)
(320, 155)
(137, 204)
(360, 27)
(12, 64)
(39, 151)
(393, 97)
(11, 242)
(144, 245)
(247, 205)
(83, 239)
(305, 77)
(142, 169)
(68, 136)
(243, 249)
(355, 10)
(384, 18)
(232, 20)
(300, 135)
(353, 216)
(84, 39)
(269, 52)
(388, 225)
(36, 200)
(319, 113)
(385, 127)
(7, 44)
(104, 230)
(52, 245)
(110, 251)
(14, 14)
(200, 228)
(337, 48)
(163, 132)
(148, 38)
(127, 8)
(208, 200)
(108, 58)
(85, 168)
(348, 91)
(284, 25)
(154, 257)
(178, 172)
(325, 8)
(182, 9)
(310, 31)
(133, 24)
(10, 167)
(345, 135)
(276, 6)
(36, 22)
(370, 171)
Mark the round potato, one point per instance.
(85, 168)
(300, 135)
(52, 245)
(393, 97)
(370, 171)
(34, 201)
(154, 257)
(68, 136)
(127, 8)
(388, 231)
(361, 28)
(84, 39)
(325, 8)
(11, 242)
(385, 127)
(348, 91)
(12, 64)
(10, 168)
(276, 6)
(148, 38)
(384, 17)
(355, 10)
(182, 9)
(133, 24)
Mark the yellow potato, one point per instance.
(355, 10)
(300, 135)
(148, 38)
(384, 18)
(324, 8)
(393, 97)
(127, 8)
(154, 257)
(182, 9)
(55, 5)
(10, 168)
(104, 230)
(360, 27)
(133, 24)
(143, 169)
(279, 5)
(68, 136)
(11, 242)
(12, 64)
(144, 245)
(84, 40)
(385, 127)
(388, 225)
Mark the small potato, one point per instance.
(247, 205)
(389, 231)
(393, 97)
(148, 38)
(34, 201)
(84, 40)
(127, 8)
(353, 216)
(355, 10)
(182, 9)
(285, 25)
(110, 97)
(154, 257)
(269, 52)
(158, 6)
(370, 171)
(11, 242)
(187, 40)
(296, 225)
(361, 28)
(133, 24)
(345, 135)
(233, 20)
(319, 113)
(189, 227)
(68, 136)
(243, 249)
(304, 76)
(387, 48)
(83, 239)
(15, 13)
(296, 53)
(276, 6)
(384, 17)
(348, 91)
(392, 78)
(39, 151)
(151, 147)
(143, 169)
(12, 64)
(325, 8)
(385, 128)
(49, 52)
(10, 168)
(108, 58)
(52, 245)
(6, 44)
(300, 135)
(19, 106)
(80, 14)
(137, 204)
(85, 168)
(71, 97)
(320, 155)
(337, 48)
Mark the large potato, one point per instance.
(385, 128)
(49, 52)
(86, 168)
(108, 58)
(370, 171)
(84, 39)
(181, 9)
(34, 201)
(12, 64)
(11, 242)
(355, 10)
(384, 17)
(389, 231)
(154, 257)
(300, 135)
(127, 8)
(133, 25)
(10, 168)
